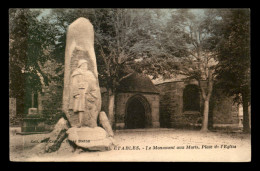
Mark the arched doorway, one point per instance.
(137, 113)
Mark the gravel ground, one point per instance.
(149, 145)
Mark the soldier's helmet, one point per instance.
(82, 61)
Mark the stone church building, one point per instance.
(140, 103)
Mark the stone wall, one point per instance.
(173, 115)
(171, 105)
(224, 111)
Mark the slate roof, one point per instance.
(136, 82)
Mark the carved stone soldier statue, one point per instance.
(84, 95)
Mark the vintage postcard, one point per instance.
(116, 85)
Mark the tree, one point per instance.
(125, 39)
(233, 71)
(186, 50)
(30, 41)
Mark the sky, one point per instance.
(47, 11)
(44, 13)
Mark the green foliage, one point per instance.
(129, 37)
(31, 41)
(183, 47)
(233, 71)
(31, 44)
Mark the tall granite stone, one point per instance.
(81, 94)
(79, 45)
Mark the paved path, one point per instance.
(153, 145)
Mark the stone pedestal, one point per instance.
(32, 111)
(94, 139)
(33, 125)
(33, 122)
